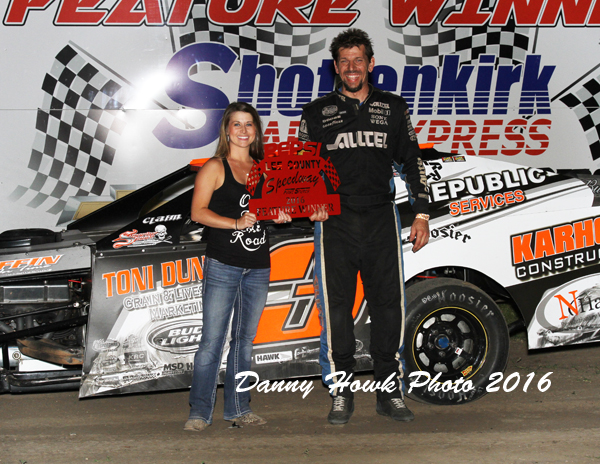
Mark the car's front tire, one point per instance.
(456, 330)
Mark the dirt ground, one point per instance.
(559, 425)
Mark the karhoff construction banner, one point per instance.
(99, 97)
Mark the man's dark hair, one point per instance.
(351, 38)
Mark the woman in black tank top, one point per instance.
(236, 268)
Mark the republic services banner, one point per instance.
(100, 97)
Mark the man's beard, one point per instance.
(352, 89)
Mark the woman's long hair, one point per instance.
(257, 151)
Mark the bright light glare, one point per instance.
(191, 118)
(148, 91)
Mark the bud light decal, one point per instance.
(179, 337)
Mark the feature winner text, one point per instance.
(292, 208)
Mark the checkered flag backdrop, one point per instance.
(585, 102)
(78, 129)
(428, 45)
(280, 45)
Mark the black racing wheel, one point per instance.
(455, 336)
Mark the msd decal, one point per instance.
(154, 13)
(568, 314)
(556, 249)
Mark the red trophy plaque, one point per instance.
(293, 181)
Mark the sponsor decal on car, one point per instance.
(28, 265)
(452, 159)
(487, 202)
(179, 337)
(556, 249)
(167, 218)
(167, 303)
(466, 371)
(281, 356)
(450, 231)
(568, 314)
(291, 310)
(136, 357)
(486, 183)
(434, 167)
(122, 379)
(136, 279)
(105, 345)
(177, 368)
(133, 238)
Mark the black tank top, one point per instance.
(247, 248)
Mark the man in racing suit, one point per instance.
(364, 131)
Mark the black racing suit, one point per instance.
(363, 141)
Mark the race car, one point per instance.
(113, 304)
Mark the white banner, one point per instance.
(101, 97)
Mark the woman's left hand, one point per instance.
(283, 217)
(247, 220)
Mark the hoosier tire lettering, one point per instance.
(455, 334)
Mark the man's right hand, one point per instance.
(319, 215)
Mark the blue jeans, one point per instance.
(227, 290)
